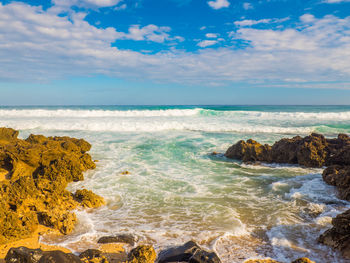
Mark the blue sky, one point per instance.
(174, 52)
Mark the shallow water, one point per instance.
(177, 190)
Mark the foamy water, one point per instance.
(177, 191)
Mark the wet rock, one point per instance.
(338, 237)
(142, 254)
(303, 260)
(26, 255)
(23, 255)
(59, 257)
(93, 256)
(338, 176)
(249, 151)
(189, 252)
(122, 238)
(311, 151)
(37, 171)
(88, 199)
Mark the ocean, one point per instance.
(177, 191)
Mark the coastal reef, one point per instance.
(311, 151)
(33, 176)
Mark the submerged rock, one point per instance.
(189, 252)
(37, 171)
(142, 254)
(122, 238)
(26, 255)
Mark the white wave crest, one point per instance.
(70, 113)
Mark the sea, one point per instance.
(163, 185)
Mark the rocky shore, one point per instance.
(35, 172)
(311, 151)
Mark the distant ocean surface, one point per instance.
(177, 191)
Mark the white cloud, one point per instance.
(249, 22)
(38, 45)
(202, 28)
(60, 6)
(335, 1)
(207, 43)
(218, 4)
(150, 33)
(120, 7)
(211, 35)
(247, 6)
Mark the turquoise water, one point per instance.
(177, 190)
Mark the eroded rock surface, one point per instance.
(35, 173)
(26, 255)
(311, 151)
(189, 252)
(142, 254)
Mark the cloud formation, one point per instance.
(39, 45)
(218, 4)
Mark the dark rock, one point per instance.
(311, 151)
(26, 255)
(59, 257)
(338, 237)
(202, 256)
(189, 252)
(23, 255)
(93, 255)
(123, 238)
(338, 176)
(248, 151)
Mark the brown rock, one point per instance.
(142, 254)
(249, 151)
(37, 171)
(88, 199)
(261, 261)
(338, 237)
(303, 260)
(93, 256)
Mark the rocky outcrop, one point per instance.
(142, 254)
(93, 256)
(35, 173)
(26, 255)
(338, 237)
(189, 252)
(311, 151)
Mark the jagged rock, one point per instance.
(311, 151)
(303, 260)
(26, 255)
(189, 252)
(8, 134)
(23, 255)
(87, 198)
(37, 171)
(248, 151)
(123, 238)
(142, 254)
(338, 176)
(338, 237)
(93, 256)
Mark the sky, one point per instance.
(130, 52)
